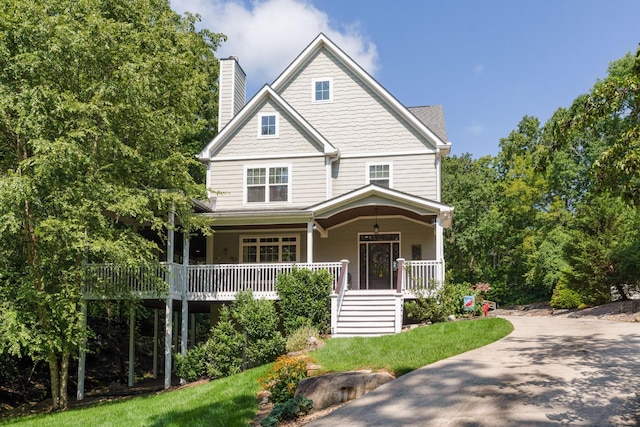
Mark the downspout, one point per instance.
(332, 159)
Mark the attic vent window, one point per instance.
(268, 125)
(322, 90)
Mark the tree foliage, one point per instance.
(100, 103)
(555, 212)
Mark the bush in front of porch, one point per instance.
(304, 299)
(245, 336)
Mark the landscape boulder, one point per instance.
(333, 389)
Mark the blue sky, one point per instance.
(488, 63)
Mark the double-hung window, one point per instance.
(379, 174)
(267, 184)
(269, 249)
(322, 90)
(268, 125)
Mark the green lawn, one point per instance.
(232, 401)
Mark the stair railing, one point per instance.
(338, 296)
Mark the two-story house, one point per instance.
(323, 168)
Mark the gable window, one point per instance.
(268, 125)
(267, 184)
(270, 249)
(322, 90)
(380, 175)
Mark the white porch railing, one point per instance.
(108, 280)
(223, 281)
(424, 275)
(203, 282)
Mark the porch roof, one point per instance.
(364, 201)
(390, 201)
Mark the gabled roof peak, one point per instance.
(322, 41)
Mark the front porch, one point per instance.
(221, 282)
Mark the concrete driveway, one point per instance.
(548, 371)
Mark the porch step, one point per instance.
(367, 313)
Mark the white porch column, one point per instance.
(439, 240)
(310, 241)
(132, 351)
(440, 249)
(209, 255)
(168, 329)
(156, 315)
(83, 353)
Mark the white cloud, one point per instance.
(475, 129)
(267, 35)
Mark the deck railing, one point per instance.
(427, 276)
(223, 281)
(109, 280)
(204, 282)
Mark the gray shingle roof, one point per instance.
(433, 117)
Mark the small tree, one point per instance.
(258, 320)
(304, 299)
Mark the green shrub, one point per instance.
(425, 309)
(297, 341)
(289, 410)
(258, 321)
(304, 299)
(564, 297)
(223, 351)
(283, 377)
(449, 299)
(191, 366)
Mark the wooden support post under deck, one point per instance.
(168, 328)
(156, 316)
(192, 329)
(185, 304)
(83, 353)
(132, 354)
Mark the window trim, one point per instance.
(313, 90)
(267, 167)
(368, 171)
(258, 244)
(277, 125)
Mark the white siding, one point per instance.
(231, 89)
(291, 139)
(414, 174)
(240, 90)
(306, 177)
(357, 120)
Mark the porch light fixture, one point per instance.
(376, 227)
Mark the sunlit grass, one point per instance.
(225, 402)
(231, 401)
(410, 350)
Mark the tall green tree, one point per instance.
(100, 103)
(610, 113)
(472, 243)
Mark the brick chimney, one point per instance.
(232, 90)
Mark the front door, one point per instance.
(378, 255)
